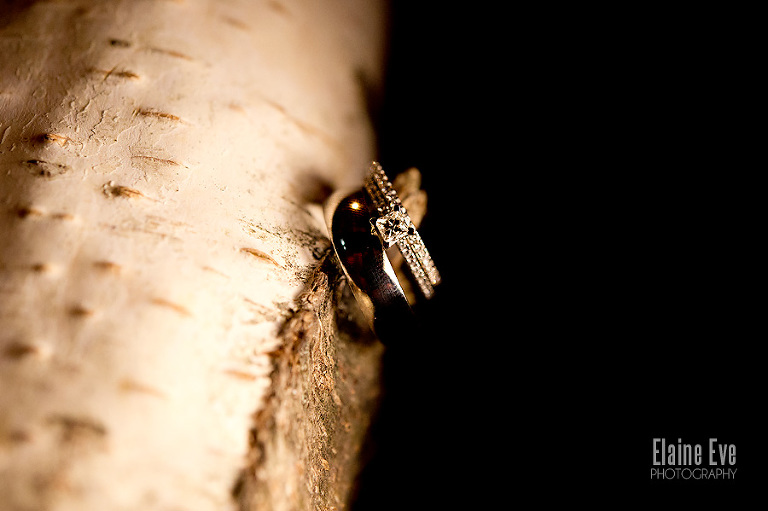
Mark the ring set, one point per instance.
(363, 225)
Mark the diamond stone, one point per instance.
(393, 226)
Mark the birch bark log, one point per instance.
(173, 335)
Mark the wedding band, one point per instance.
(362, 226)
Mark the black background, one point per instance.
(593, 209)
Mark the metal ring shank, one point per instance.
(366, 265)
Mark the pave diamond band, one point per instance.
(394, 227)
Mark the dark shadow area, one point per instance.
(592, 209)
(10, 10)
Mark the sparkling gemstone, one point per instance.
(393, 226)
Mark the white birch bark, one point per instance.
(158, 163)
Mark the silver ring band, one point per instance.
(362, 225)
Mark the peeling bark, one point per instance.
(324, 392)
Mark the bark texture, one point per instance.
(173, 332)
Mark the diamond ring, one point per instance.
(362, 226)
(394, 227)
